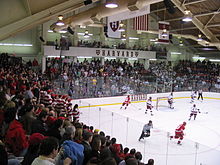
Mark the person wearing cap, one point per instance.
(146, 130)
(34, 144)
(179, 133)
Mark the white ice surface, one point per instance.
(126, 126)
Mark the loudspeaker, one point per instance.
(170, 6)
(70, 30)
(87, 2)
(105, 29)
(41, 38)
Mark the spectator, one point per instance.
(39, 125)
(54, 131)
(87, 139)
(15, 131)
(34, 145)
(48, 151)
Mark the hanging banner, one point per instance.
(163, 36)
(113, 27)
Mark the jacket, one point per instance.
(74, 151)
(15, 137)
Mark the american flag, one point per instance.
(140, 22)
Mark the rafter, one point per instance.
(211, 19)
(27, 6)
(186, 4)
(197, 23)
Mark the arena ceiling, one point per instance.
(205, 17)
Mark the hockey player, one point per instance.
(193, 96)
(146, 130)
(194, 112)
(179, 133)
(149, 106)
(126, 102)
(170, 100)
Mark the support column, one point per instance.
(146, 63)
(102, 60)
(43, 64)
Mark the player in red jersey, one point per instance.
(179, 133)
(126, 102)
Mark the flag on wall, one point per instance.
(163, 36)
(140, 22)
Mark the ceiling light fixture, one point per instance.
(60, 21)
(199, 39)
(187, 17)
(121, 29)
(86, 34)
(111, 4)
(123, 38)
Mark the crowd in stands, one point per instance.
(40, 127)
(96, 44)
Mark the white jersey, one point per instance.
(194, 110)
(170, 98)
(149, 103)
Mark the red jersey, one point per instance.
(180, 129)
(127, 100)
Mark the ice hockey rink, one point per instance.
(201, 143)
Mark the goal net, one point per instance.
(162, 102)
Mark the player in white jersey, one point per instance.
(194, 111)
(170, 100)
(149, 106)
(193, 96)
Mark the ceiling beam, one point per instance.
(39, 18)
(197, 23)
(213, 16)
(193, 27)
(27, 6)
(206, 13)
(186, 4)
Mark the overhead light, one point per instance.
(121, 29)
(82, 34)
(198, 58)
(132, 59)
(60, 21)
(110, 58)
(82, 26)
(123, 38)
(111, 4)
(187, 17)
(153, 59)
(133, 38)
(62, 31)
(10, 44)
(175, 53)
(199, 38)
(214, 60)
(86, 34)
(164, 34)
(83, 57)
(154, 40)
(180, 43)
(50, 31)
